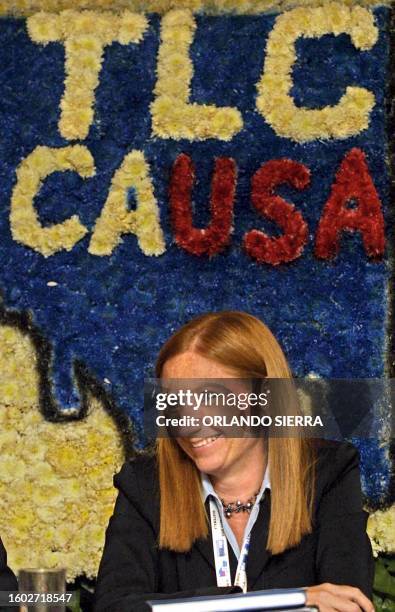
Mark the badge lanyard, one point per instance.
(221, 556)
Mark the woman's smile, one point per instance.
(202, 443)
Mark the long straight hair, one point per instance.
(242, 343)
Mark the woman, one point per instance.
(301, 506)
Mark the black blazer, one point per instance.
(8, 582)
(338, 550)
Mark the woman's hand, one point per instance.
(337, 598)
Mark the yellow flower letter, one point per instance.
(172, 114)
(351, 115)
(84, 34)
(25, 225)
(116, 219)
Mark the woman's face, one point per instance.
(212, 452)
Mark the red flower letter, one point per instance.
(216, 236)
(353, 181)
(290, 245)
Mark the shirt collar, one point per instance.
(208, 489)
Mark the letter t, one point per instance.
(84, 35)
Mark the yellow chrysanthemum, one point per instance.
(131, 27)
(45, 514)
(11, 468)
(21, 519)
(381, 530)
(43, 27)
(41, 472)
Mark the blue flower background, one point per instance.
(113, 313)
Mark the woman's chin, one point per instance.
(209, 457)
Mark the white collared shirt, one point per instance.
(207, 489)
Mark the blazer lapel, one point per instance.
(258, 556)
(205, 547)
